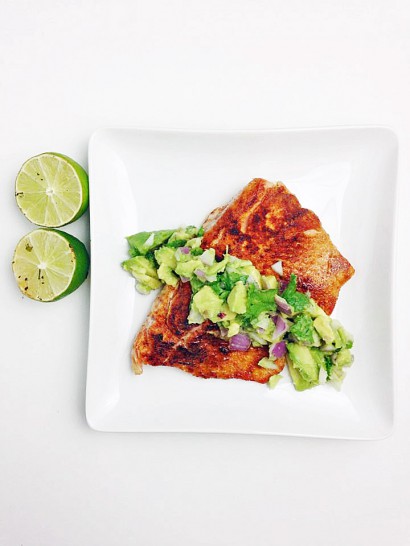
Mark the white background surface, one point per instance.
(70, 67)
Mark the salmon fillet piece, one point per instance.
(264, 223)
(166, 339)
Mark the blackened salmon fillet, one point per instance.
(166, 339)
(265, 223)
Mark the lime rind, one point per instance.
(52, 190)
(49, 264)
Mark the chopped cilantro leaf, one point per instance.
(177, 243)
(197, 251)
(196, 284)
(303, 330)
(297, 300)
(134, 252)
(225, 282)
(328, 366)
(259, 301)
(150, 255)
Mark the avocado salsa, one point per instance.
(249, 308)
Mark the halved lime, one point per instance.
(49, 264)
(52, 190)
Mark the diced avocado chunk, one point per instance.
(323, 326)
(143, 242)
(195, 316)
(269, 282)
(144, 272)
(319, 357)
(186, 269)
(314, 310)
(166, 255)
(216, 267)
(195, 242)
(274, 380)
(184, 234)
(233, 329)
(257, 339)
(237, 298)
(254, 276)
(299, 383)
(166, 274)
(346, 337)
(343, 358)
(208, 303)
(336, 377)
(304, 362)
(267, 363)
(225, 314)
(208, 257)
(338, 341)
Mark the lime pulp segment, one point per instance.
(52, 190)
(49, 264)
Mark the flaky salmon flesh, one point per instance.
(264, 223)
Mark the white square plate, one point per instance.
(156, 179)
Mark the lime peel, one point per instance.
(49, 264)
(52, 190)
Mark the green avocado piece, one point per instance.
(346, 337)
(338, 340)
(184, 233)
(194, 243)
(166, 274)
(143, 242)
(343, 358)
(186, 269)
(267, 363)
(144, 272)
(269, 282)
(299, 383)
(304, 363)
(314, 310)
(273, 381)
(233, 328)
(195, 316)
(237, 298)
(216, 267)
(166, 255)
(253, 274)
(226, 315)
(323, 326)
(208, 303)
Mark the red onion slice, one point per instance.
(239, 342)
(283, 305)
(184, 279)
(281, 326)
(185, 249)
(278, 350)
(282, 285)
(200, 274)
